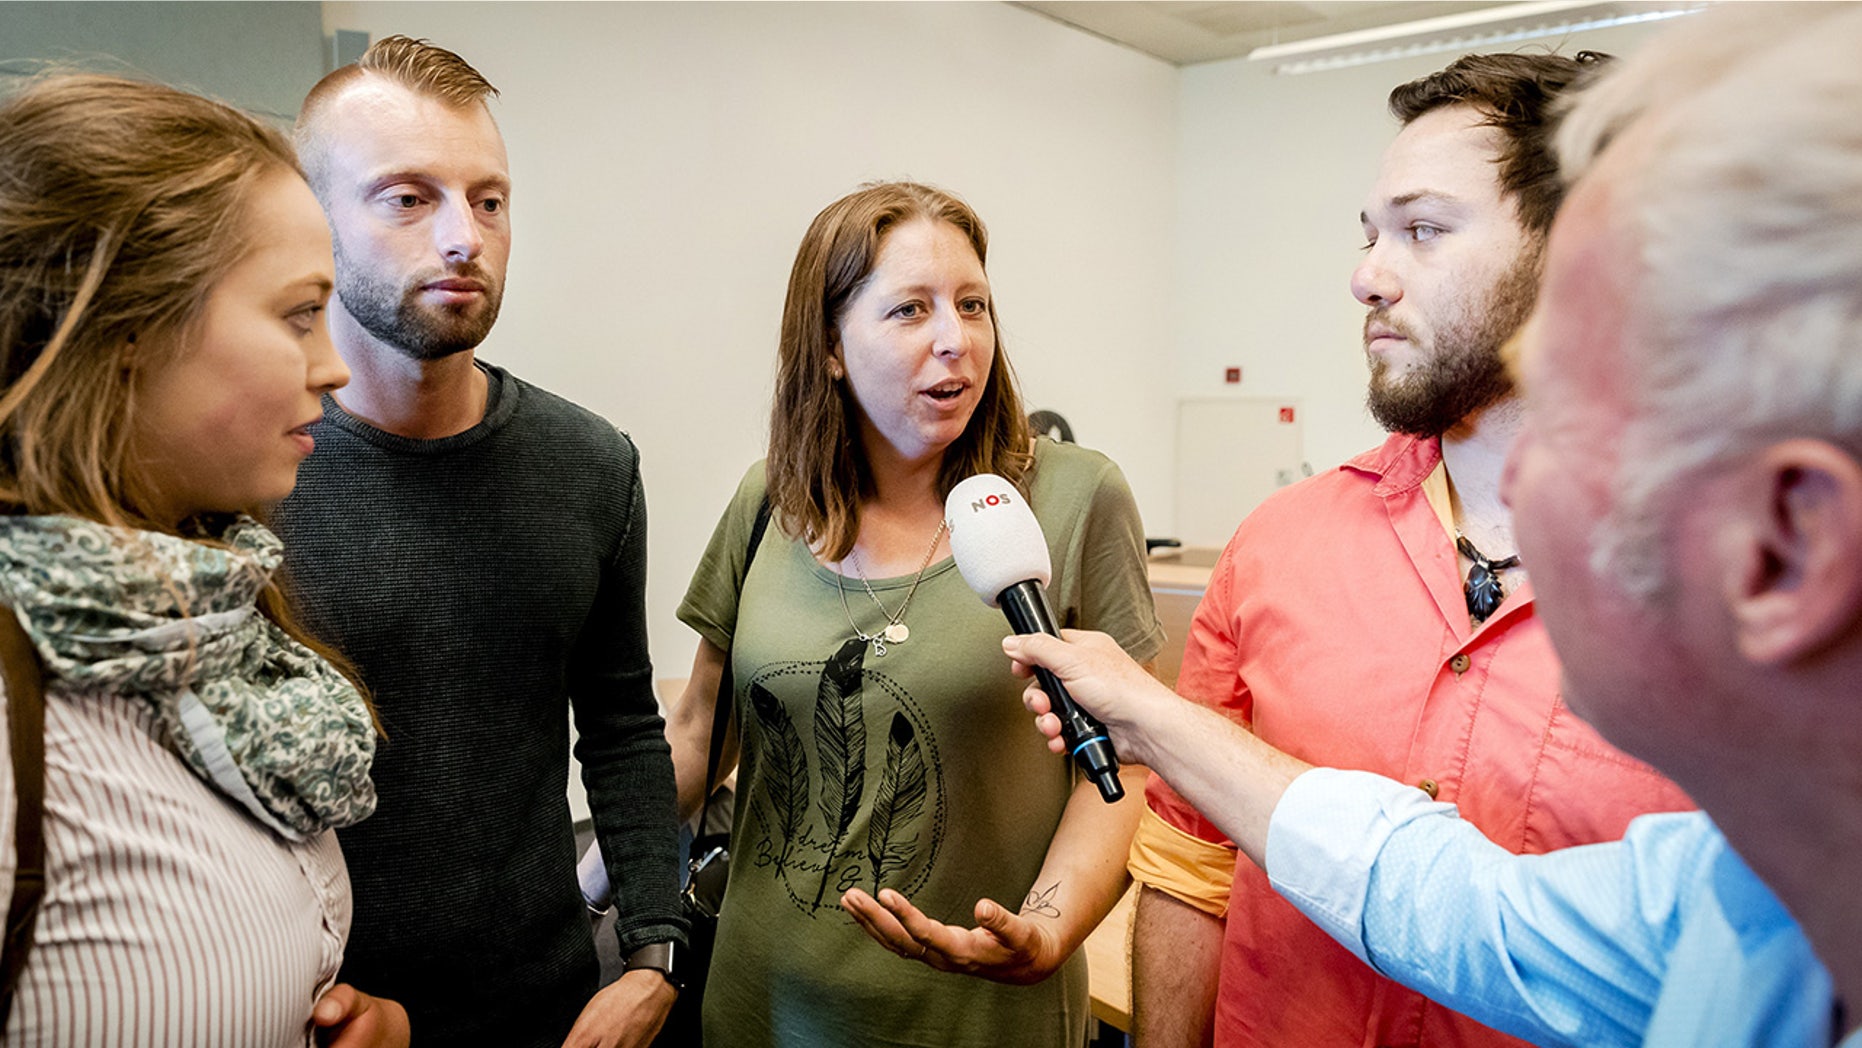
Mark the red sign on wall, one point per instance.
(1286, 414)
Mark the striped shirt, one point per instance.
(170, 916)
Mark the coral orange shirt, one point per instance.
(1335, 628)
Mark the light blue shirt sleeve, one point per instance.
(1563, 949)
(1664, 938)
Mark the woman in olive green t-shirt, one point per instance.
(890, 795)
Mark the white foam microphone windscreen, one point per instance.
(994, 537)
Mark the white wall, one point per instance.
(1151, 225)
(667, 158)
(1272, 172)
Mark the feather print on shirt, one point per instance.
(787, 770)
(840, 743)
(898, 804)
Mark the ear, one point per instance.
(1795, 584)
(837, 369)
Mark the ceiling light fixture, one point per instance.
(1500, 24)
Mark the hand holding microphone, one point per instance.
(1002, 554)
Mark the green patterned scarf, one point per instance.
(175, 622)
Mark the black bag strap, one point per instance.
(25, 718)
(722, 705)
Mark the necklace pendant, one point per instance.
(1484, 592)
(898, 633)
(879, 647)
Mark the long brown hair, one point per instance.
(817, 468)
(122, 205)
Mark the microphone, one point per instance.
(1002, 554)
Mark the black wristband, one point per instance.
(662, 957)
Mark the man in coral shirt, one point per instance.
(1375, 617)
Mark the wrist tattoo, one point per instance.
(1040, 901)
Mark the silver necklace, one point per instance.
(895, 631)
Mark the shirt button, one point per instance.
(1460, 664)
(1429, 787)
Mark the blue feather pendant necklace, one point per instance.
(895, 631)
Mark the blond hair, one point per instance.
(421, 67)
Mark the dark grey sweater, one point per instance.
(482, 583)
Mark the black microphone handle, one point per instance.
(1025, 604)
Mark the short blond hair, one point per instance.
(421, 67)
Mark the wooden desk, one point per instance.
(1178, 578)
(1108, 962)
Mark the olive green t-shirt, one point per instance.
(916, 770)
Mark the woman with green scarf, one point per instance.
(163, 274)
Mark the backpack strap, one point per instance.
(721, 709)
(25, 701)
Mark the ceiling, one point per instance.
(1183, 32)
